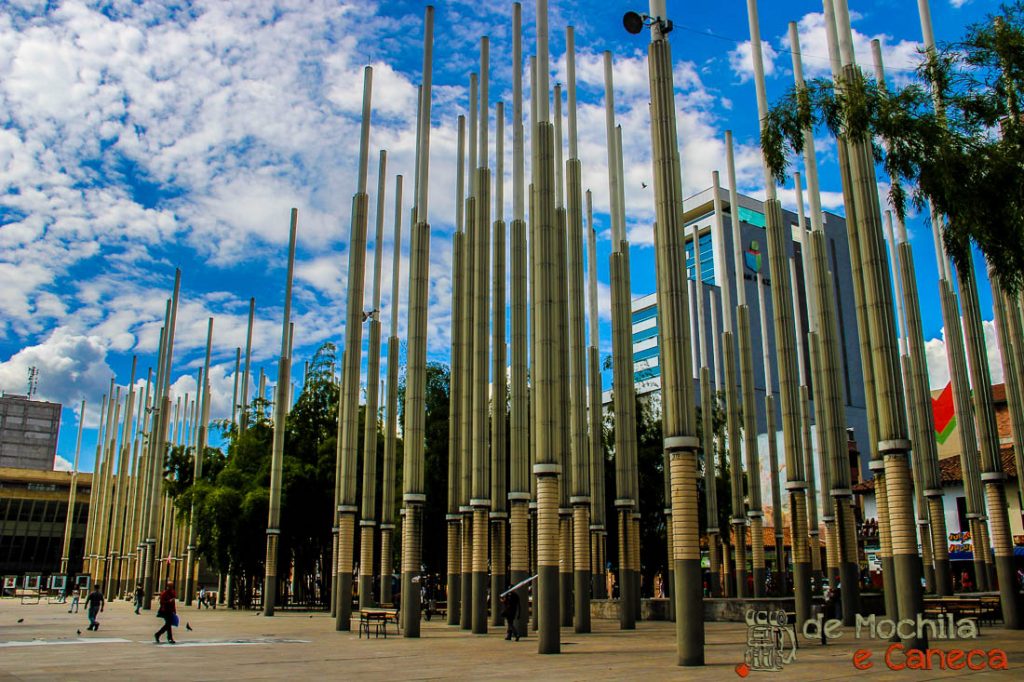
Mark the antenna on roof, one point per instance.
(33, 381)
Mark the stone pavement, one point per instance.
(240, 645)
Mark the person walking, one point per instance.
(202, 598)
(139, 594)
(510, 612)
(75, 596)
(94, 605)
(168, 612)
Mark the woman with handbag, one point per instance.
(168, 613)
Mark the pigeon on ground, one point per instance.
(79, 633)
(188, 627)
(21, 620)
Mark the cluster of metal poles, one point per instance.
(505, 526)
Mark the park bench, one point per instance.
(961, 608)
(378, 619)
(437, 608)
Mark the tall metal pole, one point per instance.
(499, 379)
(454, 516)
(679, 420)
(779, 240)
(749, 420)
(197, 470)
(481, 489)
(547, 468)
(413, 488)
(368, 522)
(773, 448)
(707, 410)
(577, 383)
(732, 395)
(348, 413)
(387, 503)
(243, 417)
(519, 453)
(65, 555)
(894, 475)
(281, 404)
(468, 328)
(598, 531)
(158, 447)
(622, 352)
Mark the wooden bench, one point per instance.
(439, 608)
(378, 619)
(961, 608)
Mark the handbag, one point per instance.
(174, 620)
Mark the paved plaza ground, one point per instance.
(240, 645)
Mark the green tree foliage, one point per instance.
(966, 159)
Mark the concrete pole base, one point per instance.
(523, 621)
(760, 581)
(335, 587)
(549, 640)
(802, 590)
(670, 576)
(627, 615)
(566, 605)
(943, 578)
(715, 584)
(498, 585)
(479, 587)
(1009, 596)
(889, 587)
(466, 592)
(269, 594)
(366, 592)
(410, 604)
(690, 600)
(343, 599)
(849, 574)
(908, 575)
(581, 584)
(929, 578)
(454, 600)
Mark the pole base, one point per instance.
(690, 605)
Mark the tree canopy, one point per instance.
(965, 158)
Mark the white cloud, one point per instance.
(61, 464)
(938, 361)
(958, 3)
(899, 57)
(71, 366)
(741, 60)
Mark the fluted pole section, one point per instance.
(865, 235)
(456, 389)
(779, 239)
(348, 414)
(197, 466)
(158, 446)
(65, 554)
(499, 382)
(387, 503)
(679, 420)
(519, 454)
(368, 521)
(577, 370)
(413, 490)
(598, 531)
(281, 401)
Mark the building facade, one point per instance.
(718, 269)
(33, 511)
(28, 432)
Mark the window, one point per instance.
(707, 259)
(754, 218)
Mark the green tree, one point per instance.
(967, 159)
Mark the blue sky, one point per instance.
(141, 136)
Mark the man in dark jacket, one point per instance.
(94, 605)
(510, 612)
